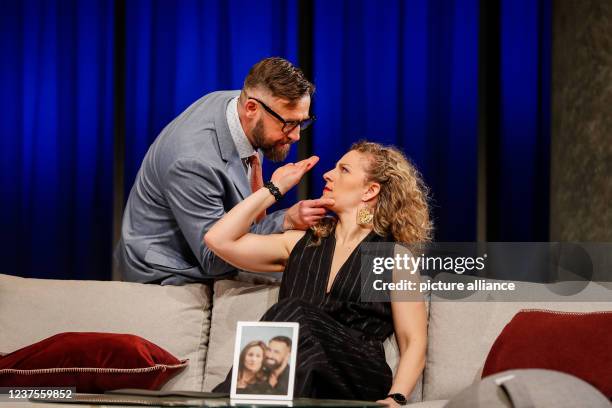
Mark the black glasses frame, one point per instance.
(288, 125)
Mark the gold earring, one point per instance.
(364, 215)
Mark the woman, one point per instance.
(251, 376)
(377, 196)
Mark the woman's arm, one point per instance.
(410, 325)
(230, 239)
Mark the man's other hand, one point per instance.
(306, 213)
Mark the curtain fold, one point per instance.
(56, 139)
(406, 75)
(524, 131)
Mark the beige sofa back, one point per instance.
(179, 320)
(461, 333)
(175, 318)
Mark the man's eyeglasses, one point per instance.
(288, 125)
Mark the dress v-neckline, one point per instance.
(331, 262)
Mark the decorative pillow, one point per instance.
(91, 362)
(575, 343)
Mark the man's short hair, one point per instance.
(281, 339)
(281, 78)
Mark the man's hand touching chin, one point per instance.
(306, 213)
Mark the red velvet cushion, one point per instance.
(579, 344)
(91, 362)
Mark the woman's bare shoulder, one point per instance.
(291, 238)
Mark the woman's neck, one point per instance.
(348, 231)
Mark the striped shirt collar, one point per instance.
(243, 146)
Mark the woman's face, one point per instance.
(253, 358)
(346, 183)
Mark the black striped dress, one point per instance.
(340, 346)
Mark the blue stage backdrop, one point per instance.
(524, 151)
(56, 138)
(403, 74)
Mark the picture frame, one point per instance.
(264, 361)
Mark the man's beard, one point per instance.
(271, 364)
(271, 151)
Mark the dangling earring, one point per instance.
(365, 216)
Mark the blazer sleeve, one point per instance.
(194, 191)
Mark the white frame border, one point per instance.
(293, 357)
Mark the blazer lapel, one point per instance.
(235, 168)
(237, 173)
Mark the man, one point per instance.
(205, 162)
(277, 364)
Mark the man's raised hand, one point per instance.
(290, 174)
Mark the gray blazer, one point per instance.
(189, 178)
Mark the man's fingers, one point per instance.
(322, 202)
(313, 220)
(309, 162)
(312, 161)
(315, 211)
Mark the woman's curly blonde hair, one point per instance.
(401, 210)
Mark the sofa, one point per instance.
(197, 322)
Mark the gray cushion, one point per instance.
(175, 318)
(232, 301)
(529, 388)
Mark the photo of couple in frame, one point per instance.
(264, 360)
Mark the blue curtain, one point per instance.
(407, 74)
(524, 156)
(180, 51)
(404, 74)
(56, 138)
